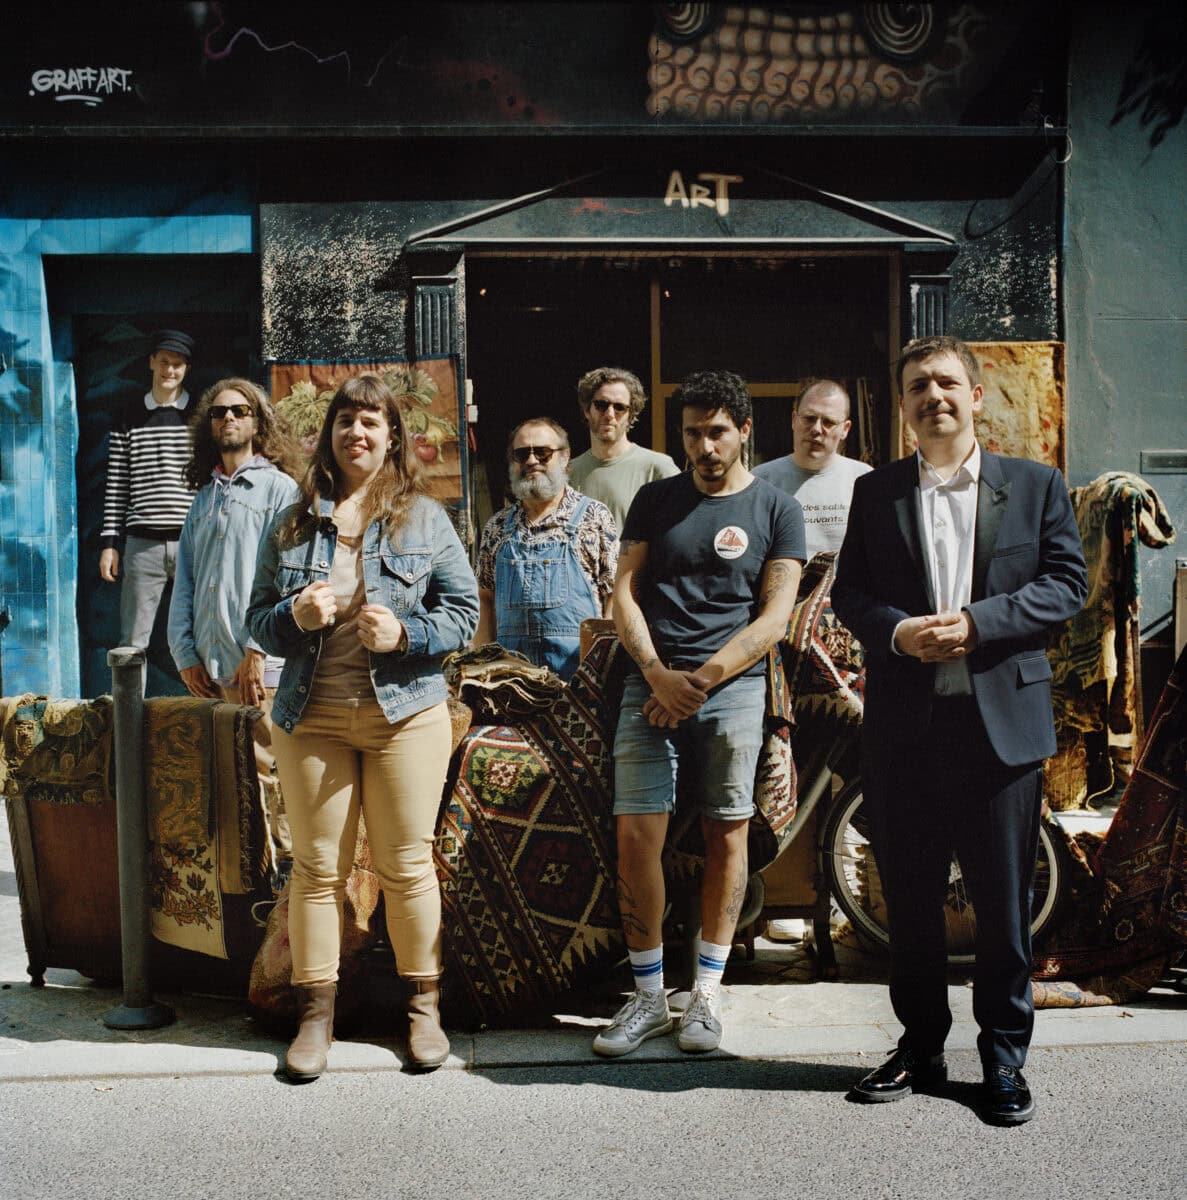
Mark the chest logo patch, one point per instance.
(731, 542)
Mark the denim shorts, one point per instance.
(717, 747)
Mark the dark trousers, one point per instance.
(948, 791)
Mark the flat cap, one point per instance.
(174, 340)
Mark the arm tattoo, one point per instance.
(631, 923)
(754, 646)
(635, 638)
(780, 578)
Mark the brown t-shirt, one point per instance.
(343, 673)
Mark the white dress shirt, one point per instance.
(948, 524)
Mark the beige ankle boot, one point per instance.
(428, 1047)
(306, 1058)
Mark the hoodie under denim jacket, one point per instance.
(216, 564)
(422, 575)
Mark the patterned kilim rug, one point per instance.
(207, 825)
(525, 854)
(1131, 921)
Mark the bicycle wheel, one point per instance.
(857, 887)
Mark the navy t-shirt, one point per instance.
(705, 558)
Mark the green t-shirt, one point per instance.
(616, 481)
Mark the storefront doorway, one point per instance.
(103, 313)
(536, 322)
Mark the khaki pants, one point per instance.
(278, 822)
(339, 760)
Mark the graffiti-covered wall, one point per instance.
(404, 67)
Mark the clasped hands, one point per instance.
(674, 696)
(938, 637)
(379, 629)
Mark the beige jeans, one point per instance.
(339, 760)
(282, 841)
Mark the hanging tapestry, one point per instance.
(206, 820)
(427, 391)
(1094, 657)
(1024, 409)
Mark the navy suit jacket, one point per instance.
(1028, 575)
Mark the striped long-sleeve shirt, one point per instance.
(146, 495)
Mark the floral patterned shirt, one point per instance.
(597, 539)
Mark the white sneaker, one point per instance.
(645, 1015)
(790, 929)
(700, 1026)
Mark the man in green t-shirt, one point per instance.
(613, 469)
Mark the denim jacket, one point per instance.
(216, 563)
(423, 576)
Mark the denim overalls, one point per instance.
(542, 595)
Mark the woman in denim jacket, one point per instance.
(362, 587)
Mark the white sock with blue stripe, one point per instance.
(648, 968)
(711, 962)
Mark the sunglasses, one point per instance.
(605, 406)
(219, 411)
(542, 454)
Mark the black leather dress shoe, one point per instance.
(1007, 1098)
(901, 1074)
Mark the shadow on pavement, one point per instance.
(684, 1075)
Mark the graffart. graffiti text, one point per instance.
(86, 85)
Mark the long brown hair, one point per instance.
(272, 437)
(396, 485)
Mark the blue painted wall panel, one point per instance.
(38, 415)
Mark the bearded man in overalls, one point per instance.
(548, 560)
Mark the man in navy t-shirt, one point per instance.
(707, 576)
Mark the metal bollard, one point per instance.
(138, 1010)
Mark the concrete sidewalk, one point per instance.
(774, 1007)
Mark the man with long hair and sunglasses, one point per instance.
(614, 468)
(548, 559)
(245, 463)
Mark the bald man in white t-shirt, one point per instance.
(821, 478)
(816, 473)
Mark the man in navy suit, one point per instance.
(955, 565)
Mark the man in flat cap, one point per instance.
(147, 498)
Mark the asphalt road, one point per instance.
(1111, 1124)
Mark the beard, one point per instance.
(545, 486)
(233, 441)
